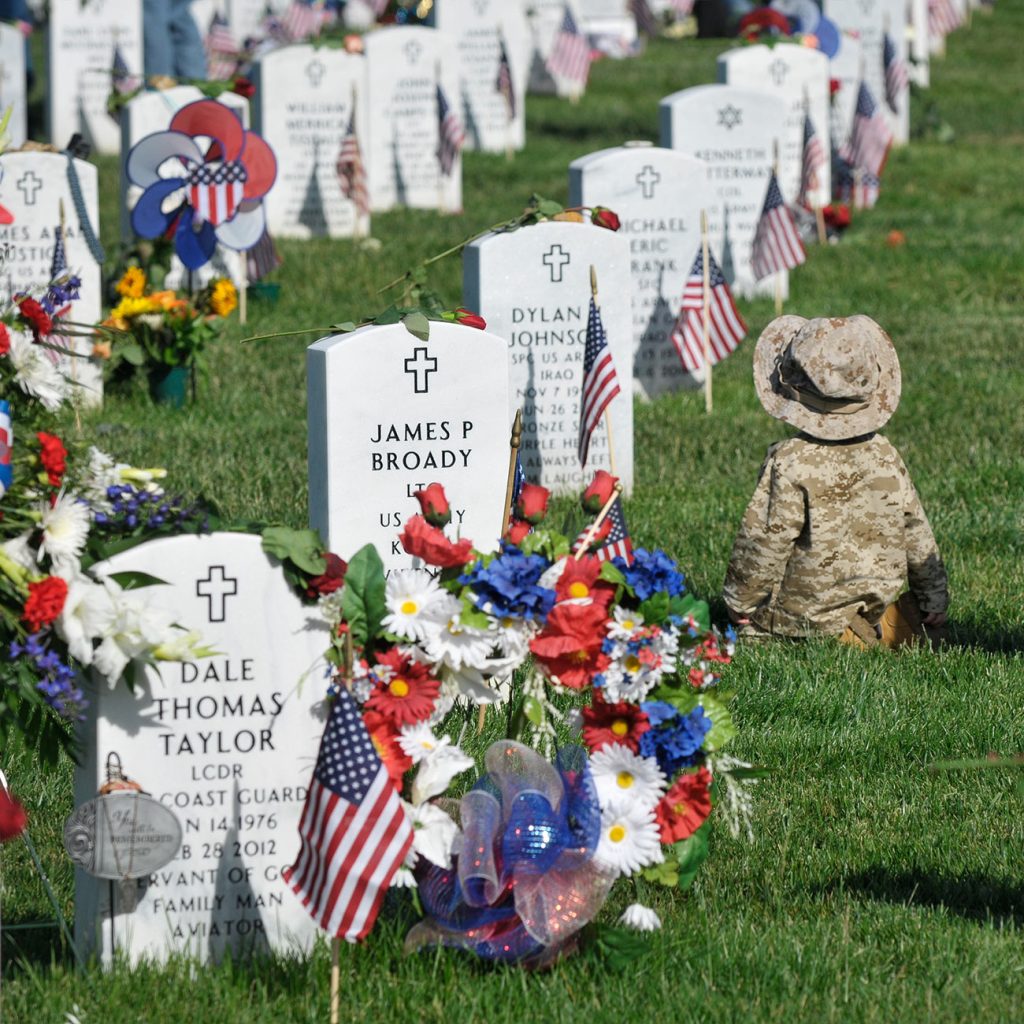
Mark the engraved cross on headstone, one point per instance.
(29, 185)
(421, 366)
(481, 7)
(555, 259)
(647, 179)
(729, 117)
(413, 51)
(315, 73)
(217, 588)
(778, 69)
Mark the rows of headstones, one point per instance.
(228, 742)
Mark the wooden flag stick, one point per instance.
(819, 218)
(607, 408)
(705, 250)
(596, 524)
(514, 442)
(243, 292)
(335, 979)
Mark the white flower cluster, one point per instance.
(36, 372)
(639, 655)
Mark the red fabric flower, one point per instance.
(613, 723)
(470, 319)
(52, 455)
(331, 579)
(244, 87)
(834, 85)
(5, 340)
(570, 645)
(517, 530)
(421, 540)
(601, 488)
(45, 602)
(533, 503)
(604, 218)
(764, 20)
(409, 695)
(434, 505)
(384, 737)
(36, 317)
(685, 807)
(837, 215)
(13, 818)
(581, 579)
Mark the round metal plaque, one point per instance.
(125, 834)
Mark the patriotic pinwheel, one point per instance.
(204, 180)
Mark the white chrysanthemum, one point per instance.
(630, 839)
(35, 373)
(417, 606)
(418, 740)
(618, 773)
(458, 646)
(65, 530)
(640, 918)
(19, 551)
(433, 833)
(88, 615)
(624, 623)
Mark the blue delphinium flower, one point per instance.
(675, 739)
(61, 293)
(132, 506)
(508, 586)
(651, 572)
(58, 680)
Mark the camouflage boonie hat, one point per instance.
(833, 378)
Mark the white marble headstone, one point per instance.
(610, 25)
(33, 185)
(84, 36)
(302, 109)
(917, 43)
(390, 414)
(404, 66)
(797, 75)
(473, 31)
(533, 288)
(227, 742)
(845, 69)
(12, 83)
(246, 16)
(658, 195)
(734, 131)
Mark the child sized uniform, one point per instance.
(832, 531)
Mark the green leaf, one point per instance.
(418, 325)
(689, 605)
(685, 698)
(549, 207)
(655, 609)
(472, 616)
(690, 854)
(534, 711)
(391, 315)
(621, 946)
(362, 603)
(131, 580)
(344, 328)
(665, 873)
(612, 574)
(301, 547)
(722, 727)
(131, 352)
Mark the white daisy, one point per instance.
(624, 623)
(65, 530)
(458, 646)
(417, 606)
(418, 740)
(630, 839)
(640, 918)
(618, 772)
(35, 373)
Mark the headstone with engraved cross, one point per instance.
(12, 83)
(533, 288)
(33, 186)
(95, 47)
(226, 742)
(658, 195)
(390, 414)
(303, 108)
(734, 131)
(797, 75)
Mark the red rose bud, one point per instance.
(470, 319)
(601, 488)
(331, 579)
(834, 85)
(604, 218)
(244, 87)
(533, 503)
(434, 505)
(517, 531)
(13, 818)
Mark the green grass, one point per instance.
(875, 889)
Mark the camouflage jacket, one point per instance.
(833, 529)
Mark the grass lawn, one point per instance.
(876, 889)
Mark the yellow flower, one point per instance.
(224, 297)
(131, 306)
(133, 284)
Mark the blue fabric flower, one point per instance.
(508, 585)
(675, 739)
(651, 572)
(58, 680)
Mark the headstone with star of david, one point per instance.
(33, 187)
(734, 131)
(12, 83)
(473, 33)
(658, 195)
(226, 742)
(87, 40)
(389, 414)
(405, 66)
(303, 109)
(799, 76)
(533, 288)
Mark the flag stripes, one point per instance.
(870, 137)
(726, 327)
(350, 169)
(777, 244)
(451, 134)
(813, 161)
(897, 77)
(570, 54)
(600, 381)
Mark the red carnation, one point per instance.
(13, 818)
(244, 87)
(469, 319)
(570, 645)
(685, 807)
(834, 85)
(331, 579)
(37, 317)
(45, 602)
(384, 737)
(613, 723)
(434, 505)
(421, 540)
(581, 578)
(5, 340)
(533, 503)
(517, 531)
(598, 494)
(604, 218)
(52, 455)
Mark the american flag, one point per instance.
(215, 190)
(503, 80)
(355, 833)
(644, 17)
(777, 244)
(121, 78)
(943, 18)
(262, 258)
(618, 543)
(897, 78)
(870, 137)
(58, 270)
(301, 21)
(726, 328)
(600, 381)
(813, 161)
(570, 54)
(351, 172)
(518, 478)
(857, 187)
(451, 134)
(221, 49)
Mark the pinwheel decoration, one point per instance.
(203, 182)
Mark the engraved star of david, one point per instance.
(729, 117)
